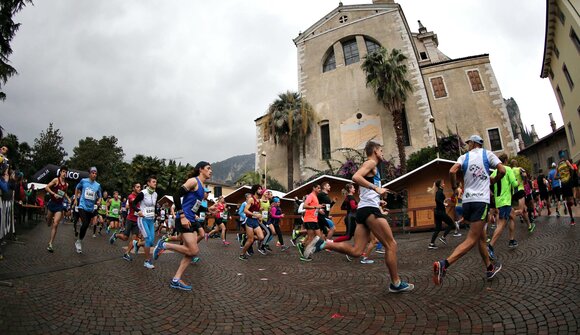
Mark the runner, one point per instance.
(101, 214)
(253, 216)
(113, 212)
(519, 197)
(57, 189)
(186, 222)
(265, 210)
(543, 189)
(242, 220)
(274, 222)
(131, 227)
(349, 205)
(502, 192)
(144, 206)
(458, 194)
(565, 171)
(440, 213)
(324, 219)
(88, 191)
(475, 165)
(221, 219)
(313, 233)
(369, 219)
(554, 180)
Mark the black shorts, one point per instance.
(85, 216)
(544, 194)
(363, 213)
(475, 211)
(529, 197)
(519, 195)
(193, 228)
(567, 190)
(311, 226)
(131, 227)
(114, 219)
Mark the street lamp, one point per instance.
(432, 120)
(265, 169)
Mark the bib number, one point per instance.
(149, 211)
(60, 194)
(224, 216)
(89, 194)
(115, 211)
(196, 206)
(264, 215)
(202, 216)
(328, 207)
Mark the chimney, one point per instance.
(534, 135)
(552, 122)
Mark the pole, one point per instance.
(265, 169)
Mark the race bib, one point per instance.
(196, 206)
(95, 207)
(264, 215)
(202, 216)
(149, 211)
(224, 216)
(89, 194)
(255, 214)
(60, 194)
(115, 211)
(328, 207)
(77, 209)
(103, 207)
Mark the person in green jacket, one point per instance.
(502, 193)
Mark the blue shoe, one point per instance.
(403, 287)
(127, 257)
(493, 272)
(113, 239)
(491, 253)
(439, 271)
(180, 286)
(195, 260)
(158, 248)
(136, 246)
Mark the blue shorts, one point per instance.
(55, 206)
(330, 223)
(504, 212)
(475, 211)
(252, 223)
(458, 210)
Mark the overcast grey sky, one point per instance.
(187, 78)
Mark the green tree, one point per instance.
(290, 118)
(107, 156)
(8, 28)
(385, 74)
(48, 148)
(19, 154)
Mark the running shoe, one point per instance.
(79, 246)
(94, 235)
(432, 246)
(108, 230)
(512, 244)
(300, 248)
(293, 241)
(557, 214)
(572, 222)
(305, 259)
(148, 265)
(311, 247)
(456, 226)
(179, 285)
(365, 260)
(457, 234)
(243, 257)
(443, 240)
(158, 248)
(49, 248)
(136, 246)
(284, 248)
(226, 243)
(243, 240)
(403, 287)
(195, 260)
(380, 251)
(262, 250)
(127, 257)
(113, 239)
(493, 272)
(267, 247)
(294, 234)
(532, 227)
(491, 252)
(439, 271)
(348, 258)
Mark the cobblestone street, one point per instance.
(97, 292)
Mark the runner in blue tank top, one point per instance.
(186, 222)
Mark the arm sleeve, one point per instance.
(177, 197)
(273, 213)
(137, 200)
(352, 204)
(440, 198)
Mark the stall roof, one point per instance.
(399, 184)
(300, 189)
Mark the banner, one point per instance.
(49, 172)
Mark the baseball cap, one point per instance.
(275, 199)
(553, 164)
(206, 190)
(475, 139)
(93, 169)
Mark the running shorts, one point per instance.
(311, 226)
(55, 207)
(475, 211)
(131, 227)
(252, 223)
(567, 190)
(363, 213)
(193, 227)
(504, 212)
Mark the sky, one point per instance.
(185, 80)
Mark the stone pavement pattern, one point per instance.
(99, 293)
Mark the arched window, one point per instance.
(371, 46)
(350, 50)
(329, 62)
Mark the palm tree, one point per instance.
(385, 74)
(290, 117)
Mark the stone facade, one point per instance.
(545, 151)
(338, 93)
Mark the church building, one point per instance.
(448, 96)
